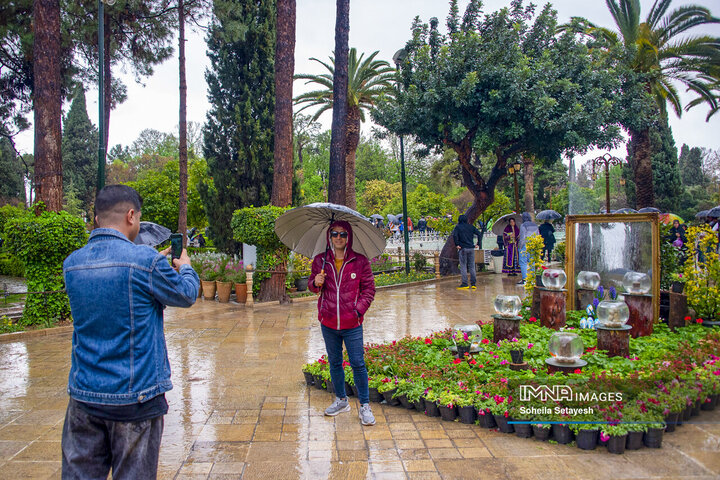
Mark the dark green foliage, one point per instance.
(666, 174)
(419, 261)
(238, 138)
(12, 185)
(690, 161)
(9, 264)
(79, 152)
(42, 240)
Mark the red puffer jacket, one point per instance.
(355, 282)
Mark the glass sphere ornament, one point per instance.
(467, 333)
(554, 279)
(613, 313)
(636, 282)
(588, 280)
(565, 347)
(508, 305)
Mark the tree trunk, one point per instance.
(107, 94)
(284, 69)
(643, 175)
(352, 139)
(47, 103)
(273, 288)
(182, 154)
(336, 184)
(529, 179)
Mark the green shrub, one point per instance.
(42, 240)
(419, 261)
(11, 266)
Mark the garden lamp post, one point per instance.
(101, 90)
(605, 161)
(513, 170)
(398, 58)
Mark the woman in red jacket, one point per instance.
(347, 288)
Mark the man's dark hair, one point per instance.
(113, 197)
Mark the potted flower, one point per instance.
(307, 373)
(499, 409)
(466, 409)
(387, 388)
(447, 404)
(374, 382)
(541, 431)
(586, 435)
(616, 435)
(483, 401)
(522, 430)
(207, 279)
(223, 281)
(403, 386)
(653, 435)
(462, 341)
(237, 275)
(678, 282)
(431, 407)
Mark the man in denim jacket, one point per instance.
(120, 370)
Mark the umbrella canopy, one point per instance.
(668, 218)
(303, 229)
(625, 210)
(504, 221)
(649, 210)
(702, 214)
(152, 234)
(714, 212)
(377, 217)
(548, 215)
(392, 218)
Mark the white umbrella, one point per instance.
(152, 234)
(504, 221)
(303, 229)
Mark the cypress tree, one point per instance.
(690, 160)
(666, 173)
(79, 152)
(238, 136)
(12, 183)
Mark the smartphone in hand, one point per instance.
(176, 245)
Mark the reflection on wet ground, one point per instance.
(240, 408)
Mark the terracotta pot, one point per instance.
(224, 289)
(241, 292)
(200, 291)
(208, 288)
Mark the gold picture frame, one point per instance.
(570, 248)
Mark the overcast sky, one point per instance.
(374, 25)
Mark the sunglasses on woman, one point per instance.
(341, 234)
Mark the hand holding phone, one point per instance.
(176, 245)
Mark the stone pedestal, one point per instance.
(616, 341)
(583, 298)
(505, 328)
(519, 366)
(678, 310)
(641, 314)
(552, 307)
(554, 367)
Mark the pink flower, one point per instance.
(530, 345)
(604, 436)
(503, 362)
(514, 339)
(485, 341)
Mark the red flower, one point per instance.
(699, 320)
(457, 360)
(346, 364)
(577, 370)
(473, 362)
(532, 319)
(485, 341)
(428, 341)
(688, 318)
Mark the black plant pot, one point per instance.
(677, 287)
(467, 414)
(487, 420)
(708, 404)
(671, 421)
(301, 284)
(419, 405)
(462, 350)
(687, 413)
(616, 444)
(541, 433)
(503, 425)
(375, 396)
(653, 438)
(523, 430)
(354, 390)
(634, 441)
(562, 434)
(388, 396)
(680, 416)
(696, 409)
(318, 382)
(405, 402)
(309, 380)
(348, 389)
(516, 356)
(431, 409)
(601, 442)
(449, 414)
(587, 439)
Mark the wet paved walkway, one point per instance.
(240, 408)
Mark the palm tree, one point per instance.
(368, 80)
(664, 59)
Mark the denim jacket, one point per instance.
(118, 291)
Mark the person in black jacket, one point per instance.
(463, 235)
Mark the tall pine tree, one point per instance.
(238, 136)
(666, 174)
(79, 153)
(691, 160)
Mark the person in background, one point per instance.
(527, 229)
(547, 232)
(346, 285)
(119, 369)
(422, 225)
(510, 240)
(463, 234)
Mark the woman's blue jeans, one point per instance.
(353, 338)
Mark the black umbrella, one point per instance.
(152, 234)
(714, 212)
(702, 214)
(548, 215)
(649, 210)
(625, 210)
